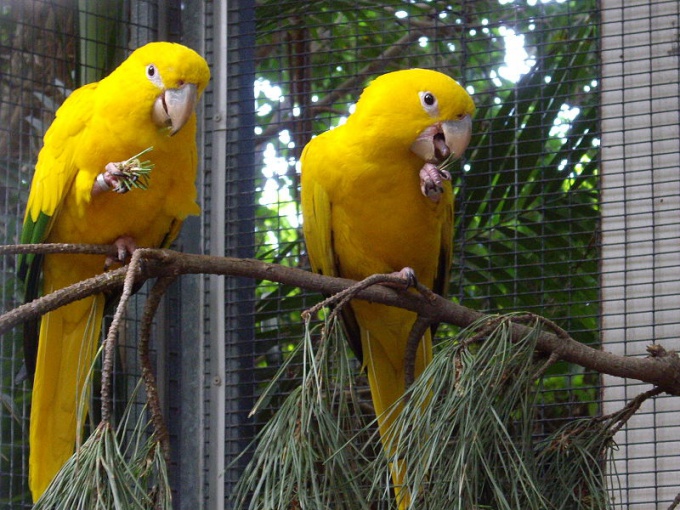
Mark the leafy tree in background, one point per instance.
(525, 240)
(526, 195)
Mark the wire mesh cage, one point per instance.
(48, 50)
(527, 192)
(565, 200)
(640, 151)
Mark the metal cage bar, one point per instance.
(641, 231)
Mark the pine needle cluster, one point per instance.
(119, 467)
(467, 435)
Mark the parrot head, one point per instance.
(421, 112)
(168, 78)
(426, 111)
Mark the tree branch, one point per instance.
(110, 341)
(350, 85)
(660, 369)
(153, 301)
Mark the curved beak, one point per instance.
(443, 140)
(173, 107)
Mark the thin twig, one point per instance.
(342, 298)
(484, 330)
(622, 416)
(531, 318)
(110, 341)
(415, 336)
(528, 318)
(552, 359)
(338, 299)
(663, 372)
(675, 502)
(392, 280)
(101, 283)
(152, 302)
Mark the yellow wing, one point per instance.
(317, 226)
(53, 177)
(316, 209)
(55, 169)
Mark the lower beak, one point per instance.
(173, 107)
(443, 140)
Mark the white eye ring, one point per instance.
(429, 103)
(153, 75)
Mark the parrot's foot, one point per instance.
(408, 275)
(431, 180)
(125, 245)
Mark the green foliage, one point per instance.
(528, 204)
(526, 232)
(466, 435)
(476, 407)
(305, 456)
(527, 194)
(115, 468)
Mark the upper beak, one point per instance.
(444, 140)
(173, 107)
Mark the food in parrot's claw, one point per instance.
(431, 179)
(111, 179)
(121, 177)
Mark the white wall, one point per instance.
(641, 232)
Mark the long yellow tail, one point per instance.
(68, 344)
(383, 344)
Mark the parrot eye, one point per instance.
(429, 102)
(153, 75)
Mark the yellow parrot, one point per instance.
(78, 195)
(375, 200)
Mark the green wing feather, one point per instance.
(30, 273)
(54, 175)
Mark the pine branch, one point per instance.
(587, 440)
(153, 301)
(662, 370)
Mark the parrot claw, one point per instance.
(409, 276)
(431, 180)
(124, 245)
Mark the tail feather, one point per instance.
(387, 382)
(67, 347)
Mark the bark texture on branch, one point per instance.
(661, 368)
